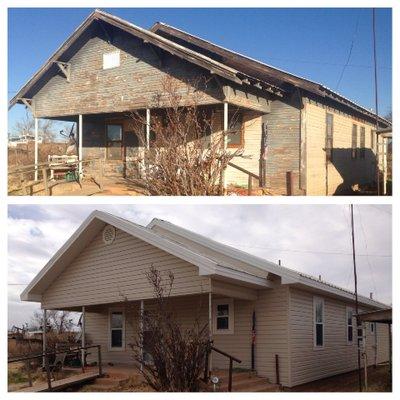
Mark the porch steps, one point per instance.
(244, 381)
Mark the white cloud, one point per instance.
(292, 233)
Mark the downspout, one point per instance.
(302, 144)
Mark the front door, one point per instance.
(114, 141)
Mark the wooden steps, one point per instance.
(243, 381)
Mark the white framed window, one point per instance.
(116, 323)
(111, 59)
(223, 316)
(349, 325)
(319, 317)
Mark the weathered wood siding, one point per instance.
(272, 329)
(110, 273)
(342, 172)
(283, 153)
(337, 356)
(134, 84)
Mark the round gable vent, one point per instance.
(108, 234)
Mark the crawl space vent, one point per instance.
(108, 234)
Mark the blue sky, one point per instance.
(312, 43)
(320, 247)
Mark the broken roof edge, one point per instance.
(288, 275)
(322, 87)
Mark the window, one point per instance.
(329, 137)
(372, 327)
(111, 60)
(224, 316)
(318, 322)
(117, 330)
(372, 139)
(235, 135)
(354, 142)
(362, 142)
(114, 142)
(349, 323)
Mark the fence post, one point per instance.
(28, 367)
(249, 185)
(46, 363)
(230, 375)
(45, 181)
(99, 360)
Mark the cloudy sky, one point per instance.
(315, 239)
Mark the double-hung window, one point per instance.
(349, 324)
(329, 137)
(319, 317)
(362, 142)
(117, 330)
(223, 316)
(354, 142)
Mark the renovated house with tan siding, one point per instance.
(296, 136)
(272, 318)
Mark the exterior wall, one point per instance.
(187, 309)
(337, 356)
(112, 273)
(283, 153)
(343, 171)
(273, 334)
(132, 85)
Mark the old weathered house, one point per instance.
(304, 323)
(109, 67)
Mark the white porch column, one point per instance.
(83, 328)
(384, 151)
(210, 329)
(147, 128)
(36, 148)
(141, 328)
(44, 326)
(80, 153)
(225, 139)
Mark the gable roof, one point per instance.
(147, 36)
(257, 68)
(288, 276)
(259, 274)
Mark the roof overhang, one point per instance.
(382, 316)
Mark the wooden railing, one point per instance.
(45, 356)
(211, 348)
(250, 177)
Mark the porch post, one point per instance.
(83, 328)
(80, 129)
(44, 326)
(141, 328)
(36, 148)
(210, 326)
(384, 151)
(147, 128)
(225, 140)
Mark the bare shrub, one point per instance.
(172, 357)
(185, 156)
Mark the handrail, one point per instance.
(210, 348)
(250, 175)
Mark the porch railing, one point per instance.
(250, 177)
(211, 348)
(45, 356)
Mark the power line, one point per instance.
(350, 52)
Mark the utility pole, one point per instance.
(356, 298)
(376, 99)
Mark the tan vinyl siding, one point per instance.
(343, 171)
(272, 333)
(336, 356)
(111, 273)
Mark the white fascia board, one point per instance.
(205, 265)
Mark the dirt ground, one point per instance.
(377, 382)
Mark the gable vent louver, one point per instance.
(108, 234)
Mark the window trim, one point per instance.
(241, 144)
(347, 325)
(231, 317)
(111, 310)
(354, 141)
(315, 300)
(329, 137)
(114, 141)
